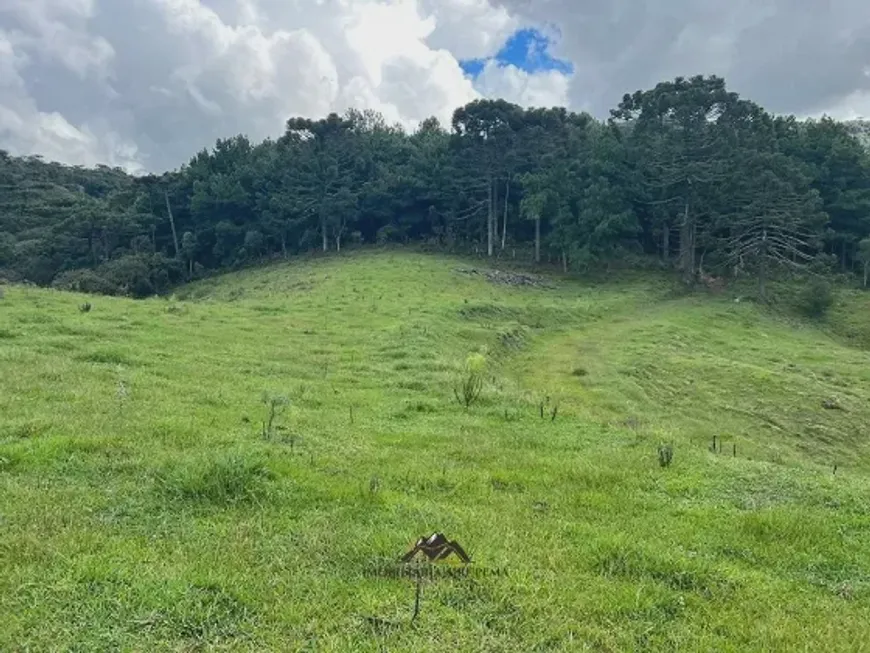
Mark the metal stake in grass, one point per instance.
(544, 402)
(417, 596)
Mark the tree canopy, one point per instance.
(688, 172)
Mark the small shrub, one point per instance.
(86, 281)
(580, 372)
(275, 405)
(666, 455)
(470, 386)
(816, 298)
(134, 275)
(86, 307)
(544, 407)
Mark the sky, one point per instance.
(145, 84)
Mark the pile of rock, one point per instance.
(507, 278)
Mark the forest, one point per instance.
(687, 175)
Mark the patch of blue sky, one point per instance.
(527, 49)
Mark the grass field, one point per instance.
(142, 508)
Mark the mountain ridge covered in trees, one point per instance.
(688, 172)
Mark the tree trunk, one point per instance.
(843, 256)
(490, 214)
(507, 194)
(338, 242)
(190, 268)
(762, 267)
(284, 244)
(171, 222)
(323, 232)
(866, 269)
(687, 246)
(537, 239)
(666, 243)
(564, 261)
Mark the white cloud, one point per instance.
(788, 55)
(855, 106)
(147, 83)
(150, 82)
(54, 30)
(469, 29)
(541, 89)
(25, 129)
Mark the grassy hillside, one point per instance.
(142, 508)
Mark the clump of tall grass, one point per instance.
(470, 385)
(219, 480)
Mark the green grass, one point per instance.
(142, 508)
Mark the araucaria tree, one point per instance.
(777, 218)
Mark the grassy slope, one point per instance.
(142, 510)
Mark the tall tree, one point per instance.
(778, 215)
(679, 133)
(325, 175)
(487, 131)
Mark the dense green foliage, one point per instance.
(151, 499)
(687, 171)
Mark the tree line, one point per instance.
(687, 173)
